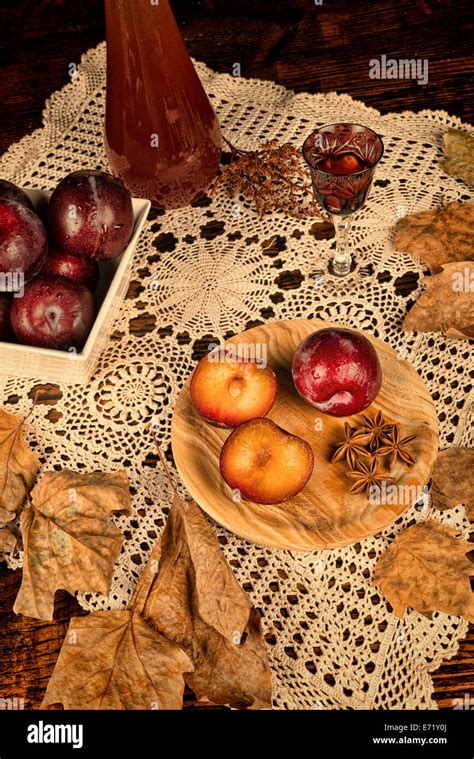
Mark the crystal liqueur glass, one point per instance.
(342, 159)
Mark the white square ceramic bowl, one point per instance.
(57, 366)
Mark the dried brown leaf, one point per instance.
(440, 236)
(444, 306)
(18, 466)
(459, 152)
(426, 567)
(453, 479)
(68, 540)
(114, 660)
(190, 595)
(8, 541)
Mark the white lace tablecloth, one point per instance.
(208, 272)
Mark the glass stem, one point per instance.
(341, 262)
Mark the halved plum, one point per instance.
(228, 392)
(266, 463)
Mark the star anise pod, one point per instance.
(376, 428)
(352, 446)
(396, 447)
(272, 178)
(367, 476)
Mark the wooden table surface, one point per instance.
(297, 43)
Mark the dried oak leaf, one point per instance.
(459, 152)
(190, 595)
(68, 540)
(426, 568)
(8, 541)
(18, 466)
(114, 660)
(440, 236)
(446, 305)
(453, 480)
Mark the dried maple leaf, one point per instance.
(68, 541)
(439, 236)
(447, 305)
(18, 466)
(114, 660)
(453, 479)
(8, 541)
(459, 152)
(190, 595)
(426, 568)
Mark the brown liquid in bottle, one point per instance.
(162, 137)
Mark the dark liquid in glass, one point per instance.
(342, 164)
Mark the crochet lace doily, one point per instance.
(205, 273)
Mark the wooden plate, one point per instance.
(324, 514)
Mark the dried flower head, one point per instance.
(273, 178)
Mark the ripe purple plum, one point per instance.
(337, 371)
(5, 326)
(23, 240)
(90, 215)
(83, 270)
(9, 191)
(53, 313)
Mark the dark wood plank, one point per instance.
(29, 648)
(301, 45)
(293, 42)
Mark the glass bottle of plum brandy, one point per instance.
(162, 137)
